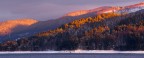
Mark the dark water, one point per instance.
(72, 55)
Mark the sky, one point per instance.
(51, 9)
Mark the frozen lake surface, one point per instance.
(73, 54)
(73, 51)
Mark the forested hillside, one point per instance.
(16, 29)
(109, 31)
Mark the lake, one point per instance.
(72, 55)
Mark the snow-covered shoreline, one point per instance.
(75, 51)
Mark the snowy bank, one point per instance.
(74, 51)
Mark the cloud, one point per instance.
(49, 9)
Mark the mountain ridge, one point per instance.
(8, 26)
(42, 26)
(105, 9)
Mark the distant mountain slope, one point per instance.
(108, 9)
(99, 10)
(10, 26)
(136, 5)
